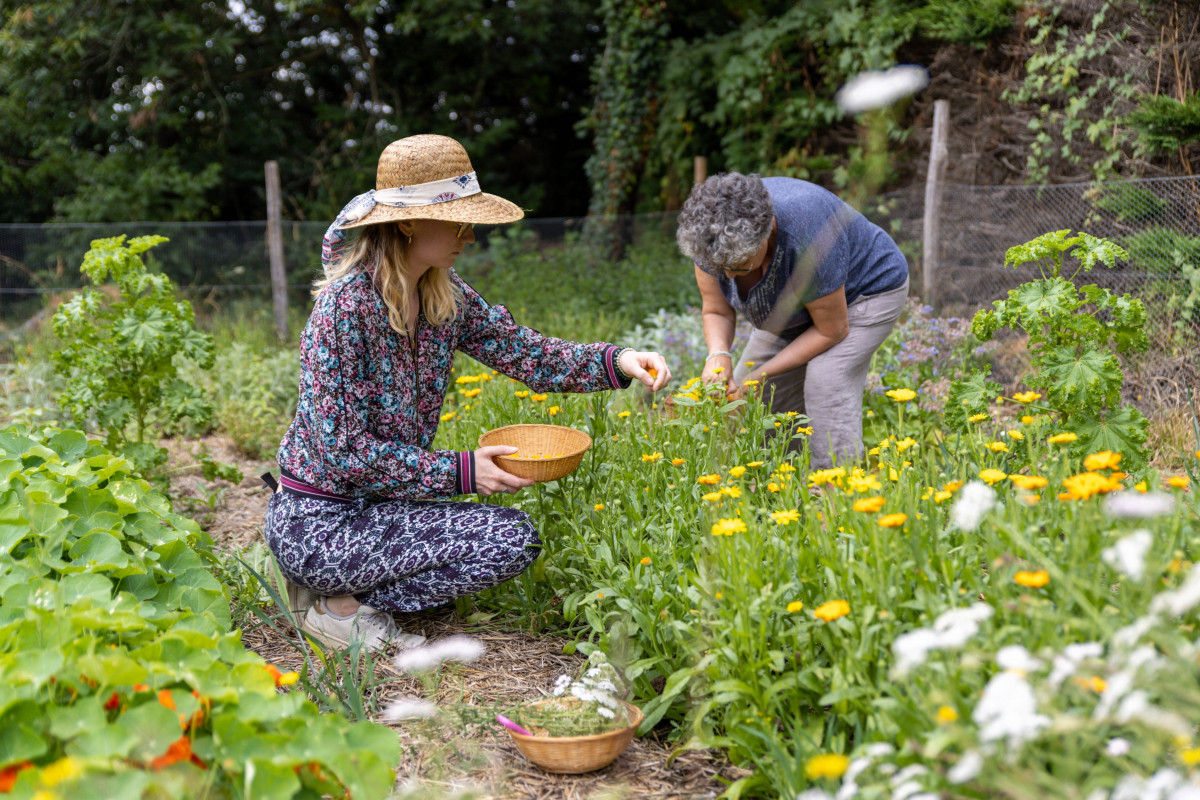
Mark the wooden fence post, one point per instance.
(938, 155)
(699, 170)
(275, 251)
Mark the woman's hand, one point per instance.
(639, 366)
(489, 478)
(719, 369)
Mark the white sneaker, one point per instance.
(373, 628)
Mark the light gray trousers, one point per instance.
(829, 389)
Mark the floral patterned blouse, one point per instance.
(369, 405)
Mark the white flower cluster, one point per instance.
(597, 687)
(431, 656)
(1129, 554)
(950, 631)
(974, 501)
(880, 88)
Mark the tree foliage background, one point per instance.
(124, 110)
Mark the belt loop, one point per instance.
(270, 482)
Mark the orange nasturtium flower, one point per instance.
(178, 750)
(901, 395)
(892, 520)
(1062, 438)
(1032, 580)
(728, 527)
(869, 504)
(832, 610)
(1105, 459)
(8, 775)
(281, 678)
(992, 476)
(1028, 481)
(1026, 397)
(709, 480)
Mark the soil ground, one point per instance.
(444, 758)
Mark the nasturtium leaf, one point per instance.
(130, 784)
(108, 741)
(270, 781)
(9, 467)
(86, 502)
(13, 443)
(177, 557)
(97, 552)
(153, 725)
(45, 519)
(269, 707)
(33, 666)
(128, 494)
(72, 588)
(20, 743)
(112, 668)
(41, 489)
(86, 714)
(69, 445)
(140, 586)
(105, 465)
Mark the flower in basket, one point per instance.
(583, 706)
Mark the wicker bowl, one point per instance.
(574, 754)
(544, 452)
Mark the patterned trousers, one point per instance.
(398, 555)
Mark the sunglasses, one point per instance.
(464, 228)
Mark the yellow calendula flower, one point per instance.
(773, 487)
(711, 497)
(61, 771)
(709, 480)
(953, 486)
(892, 520)
(1026, 397)
(869, 505)
(997, 447)
(1026, 420)
(941, 497)
(992, 476)
(905, 443)
(901, 395)
(753, 464)
(1088, 484)
(977, 418)
(946, 715)
(1032, 580)
(822, 476)
(862, 482)
(728, 527)
(1028, 481)
(718, 370)
(470, 392)
(730, 491)
(1105, 459)
(1178, 481)
(785, 467)
(598, 507)
(623, 414)
(553, 410)
(832, 610)
(1094, 683)
(750, 363)
(467, 379)
(1062, 438)
(537, 398)
(651, 456)
(1016, 436)
(786, 517)
(827, 765)
(737, 472)
(521, 395)
(449, 415)
(1141, 487)
(750, 383)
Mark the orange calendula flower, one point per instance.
(869, 505)
(651, 456)
(598, 507)
(728, 527)
(1062, 438)
(773, 487)
(709, 480)
(1026, 397)
(892, 520)
(645, 561)
(952, 486)
(652, 372)
(679, 462)
(737, 472)
(1028, 481)
(832, 610)
(1178, 481)
(1105, 459)
(794, 606)
(1032, 580)
(901, 395)
(993, 476)
(470, 392)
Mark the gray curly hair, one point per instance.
(724, 221)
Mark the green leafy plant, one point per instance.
(119, 356)
(1080, 377)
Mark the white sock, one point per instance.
(326, 609)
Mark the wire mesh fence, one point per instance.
(1157, 221)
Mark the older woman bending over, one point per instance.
(822, 286)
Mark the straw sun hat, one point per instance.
(430, 177)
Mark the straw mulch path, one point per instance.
(461, 754)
